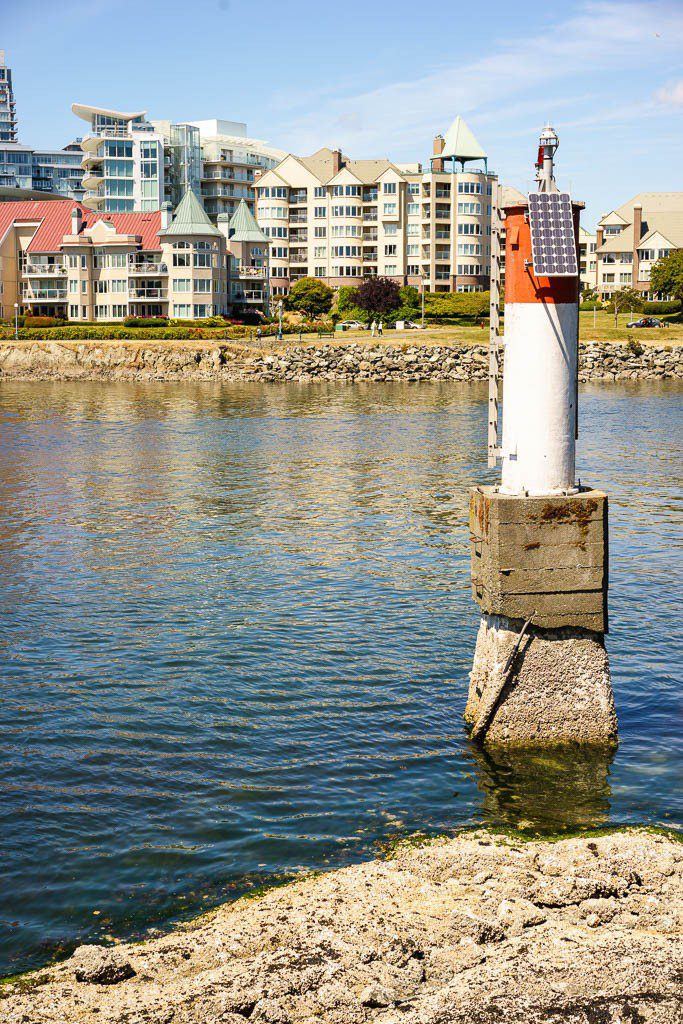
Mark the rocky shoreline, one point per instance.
(475, 929)
(138, 361)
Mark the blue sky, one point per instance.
(375, 79)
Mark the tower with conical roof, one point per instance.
(459, 146)
(248, 259)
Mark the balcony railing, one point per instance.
(370, 217)
(42, 294)
(247, 272)
(297, 218)
(370, 235)
(298, 259)
(42, 269)
(302, 236)
(146, 267)
(370, 197)
(147, 294)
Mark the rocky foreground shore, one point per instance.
(137, 361)
(470, 930)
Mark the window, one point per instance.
(389, 188)
(414, 188)
(117, 259)
(84, 286)
(182, 310)
(472, 188)
(648, 254)
(413, 269)
(320, 232)
(73, 312)
(118, 311)
(182, 284)
(320, 251)
(320, 192)
(468, 249)
(389, 209)
(280, 252)
(346, 211)
(276, 232)
(119, 285)
(469, 229)
(412, 229)
(608, 277)
(101, 286)
(391, 229)
(319, 211)
(201, 310)
(101, 312)
(412, 250)
(625, 278)
(469, 207)
(73, 286)
(413, 209)
(202, 259)
(345, 250)
(203, 284)
(344, 230)
(181, 254)
(389, 268)
(389, 250)
(612, 229)
(320, 272)
(346, 190)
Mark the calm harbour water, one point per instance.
(235, 632)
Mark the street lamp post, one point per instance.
(422, 279)
(16, 321)
(279, 313)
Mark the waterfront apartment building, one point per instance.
(340, 220)
(130, 163)
(8, 110)
(632, 237)
(248, 260)
(63, 259)
(231, 161)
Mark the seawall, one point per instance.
(360, 361)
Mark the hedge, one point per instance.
(83, 333)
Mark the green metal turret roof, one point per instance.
(190, 218)
(243, 226)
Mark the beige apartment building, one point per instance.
(248, 259)
(62, 259)
(340, 220)
(633, 237)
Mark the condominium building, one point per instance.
(63, 259)
(587, 259)
(122, 161)
(8, 112)
(340, 220)
(46, 170)
(230, 163)
(632, 237)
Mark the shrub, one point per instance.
(145, 321)
(660, 308)
(41, 321)
(634, 347)
(310, 296)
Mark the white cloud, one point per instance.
(537, 72)
(671, 94)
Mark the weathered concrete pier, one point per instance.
(539, 542)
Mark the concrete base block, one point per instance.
(558, 691)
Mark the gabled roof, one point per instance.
(243, 226)
(190, 218)
(53, 222)
(661, 212)
(461, 143)
(321, 164)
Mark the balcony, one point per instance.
(245, 273)
(370, 197)
(442, 193)
(93, 200)
(442, 232)
(298, 218)
(370, 216)
(32, 294)
(298, 198)
(29, 269)
(299, 258)
(147, 294)
(370, 235)
(370, 255)
(298, 236)
(146, 267)
(443, 213)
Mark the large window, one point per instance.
(202, 255)
(389, 188)
(118, 168)
(118, 148)
(182, 255)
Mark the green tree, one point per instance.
(310, 296)
(625, 298)
(666, 275)
(378, 296)
(346, 299)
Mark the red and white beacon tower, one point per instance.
(539, 542)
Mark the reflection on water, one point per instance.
(566, 789)
(236, 630)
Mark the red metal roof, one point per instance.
(54, 219)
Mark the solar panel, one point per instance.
(553, 245)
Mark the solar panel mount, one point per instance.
(553, 245)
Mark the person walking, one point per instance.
(373, 328)
(259, 335)
(380, 329)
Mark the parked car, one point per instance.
(412, 326)
(648, 321)
(351, 325)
